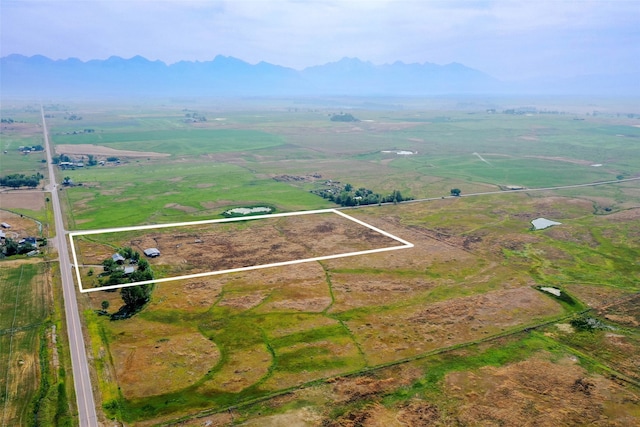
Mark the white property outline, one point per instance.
(405, 245)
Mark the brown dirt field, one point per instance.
(24, 199)
(244, 368)
(146, 364)
(597, 296)
(20, 226)
(537, 392)
(624, 216)
(99, 150)
(22, 129)
(221, 246)
(625, 311)
(402, 333)
(303, 417)
(195, 294)
(187, 209)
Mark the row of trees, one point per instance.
(348, 196)
(343, 117)
(17, 180)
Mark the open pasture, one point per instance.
(145, 192)
(228, 245)
(26, 130)
(234, 159)
(283, 327)
(217, 342)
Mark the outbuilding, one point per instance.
(5, 225)
(152, 252)
(117, 258)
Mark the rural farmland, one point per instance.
(457, 327)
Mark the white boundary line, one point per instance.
(405, 245)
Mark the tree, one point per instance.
(109, 264)
(126, 252)
(10, 247)
(136, 296)
(455, 192)
(105, 305)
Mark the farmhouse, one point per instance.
(28, 241)
(117, 258)
(128, 270)
(2, 235)
(152, 252)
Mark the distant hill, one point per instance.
(227, 76)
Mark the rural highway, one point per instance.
(81, 378)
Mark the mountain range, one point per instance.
(228, 76)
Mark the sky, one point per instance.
(507, 39)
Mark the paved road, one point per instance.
(81, 378)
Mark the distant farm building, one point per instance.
(117, 258)
(5, 225)
(152, 252)
(129, 270)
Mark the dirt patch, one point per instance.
(243, 302)
(303, 417)
(216, 204)
(100, 150)
(222, 246)
(625, 311)
(624, 216)
(152, 358)
(391, 335)
(539, 391)
(298, 178)
(31, 200)
(20, 226)
(187, 209)
(243, 368)
(562, 159)
(348, 390)
(194, 294)
(597, 296)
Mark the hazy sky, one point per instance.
(507, 39)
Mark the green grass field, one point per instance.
(27, 388)
(463, 300)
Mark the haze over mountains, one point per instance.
(228, 76)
